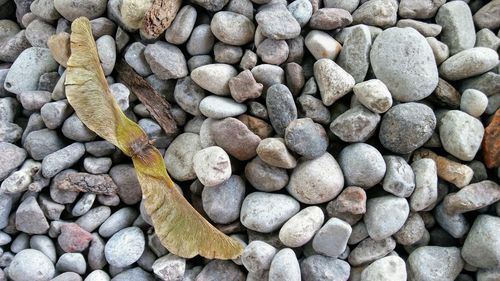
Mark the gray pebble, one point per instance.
(301, 228)
(257, 256)
(72, 262)
(135, 273)
(38, 33)
(99, 148)
(281, 107)
(199, 60)
(456, 224)
(224, 53)
(468, 63)
(243, 7)
(62, 159)
(266, 212)
(212, 166)
(330, 19)
(180, 29)
(487, 38)
(125, 178)
(232, 28)
(83, 205)
(426, 29)
(249, 60)
(134, 56)
(439, 49)
(67, 276)
(179, 156)
(51, 209)
(154, 131)
(8, 109)
(374, 95)
(10, 132)
(62, 196)
(412, 231)
(166, 60)
(119, 220)
(11, 157)
(201, 40)
(399, 177)
(222, 202)
(221, 270)
(313, 108)
(103, 26)
(91, 220)
(362, 165)
(390, 268)
(5, 238)
(277, 22)
(487, 274)
(45, 245)
(74, 129)
(480, 248)
(169, 267)
(27, 69)
(318, 267)
(354, 57)
(403, 78)
(284, 266)
(385, 216)
(125, 247)
(333, 81)
(106, 48)
(96, 166)
(458, 27)
(268, 75)
(96, 257)
(357, 124)
(54, 113)
(212, 6)
(214, 77)
(370, 250)
(220, 107)
(406, 127)
(20, 243)
(14, 46)
(29, 265)
(426, 184)
(331, 239)
(435, 263)
(301, 10)
(34, 100)
(273, 51)
(76, 8)
(418, 9)
(30, 218)
(265, 177)
(306, 138)
(381, 13)
(45, 10)
(451, 131)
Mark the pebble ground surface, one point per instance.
(337, 140)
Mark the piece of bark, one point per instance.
(98, 184)
(491, 142)
(154, 102)
(160, 16)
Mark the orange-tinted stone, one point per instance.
(491, 142)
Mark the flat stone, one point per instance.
(224, 53)
(302, 227)
(370, 250)
(306, 138)
(426, 184)
(125, 177)
(284, 266)
(212, 166)
(273, 51)
(330, 19)
(456, 224)
(351, 200)
(179, 156)
(274, 152)
(220, 107)
(426, 29)
(257, 256)
(301, 10)
(486, 16)
(201, 40)
(73, 239)
(281, 107)
(417, 9)
(355, 55)
(268, 75)
(125, 247)
(265, 177)
(134, 56)
(72, 262)
(62, 159)
(331, 239)
(381, 13)
(333, 81)
(11, 157)
(214, 77)
(314, 108)
(439, 49)
(458, 27)
(169, 267)
(31, 264)
(412, 231)
(472, 197)
(385, 216)
(180, 29)
(77, 8)
(319, 267)
(468, 63)
(74, 129)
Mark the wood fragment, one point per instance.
(154, 102)
(160, 16)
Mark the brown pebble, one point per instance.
(446, 95)
(244, 87)
(235, 138)
(274, 152)
(295, 79)
(351, 200)
(330, 18)
(256, 125)
(472, 197)
(491, 142)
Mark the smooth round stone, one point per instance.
(74, 129)
(331, 239)
(473, 102)
(306, 138)
(468, 63)
(235, 138)
(426, 184)
(277, 22)
(232, 28)
(97, 275)
(434, 263)
(390, 268)
(125, 247)
(281, 107)
(301, 228)
(322, 45)
(225, 53)
(264, 177)
(134, 56)
(179, 156)
(119, 220)
(357, 124)
(38, 33)
(201, 40)
(188, 95)
(461, 134)
(370, 250)
(257, 256)
(73, 9)
(406, 127)
(199, 60)
(408, 77)
(284, 266)
(440, 50)
(106, 48)
(418, 9)
(243, 7)
(266, 212)
(94, 218)
(481, 247)
(222, 202)
(180, 29)
(385, 216)
(71, 262)
(456, 224)
(135, 273)
(301, 10)
(221, 107)
(458, 26)
(362, 165)
(378, 13)
(412, 231)
(29, 265)
(212, 166)
(374, 95)
(319, 267)
(273, 51)
(273, 151)
(268, 75)
(166, 60)
(169, 267)
(214, 77)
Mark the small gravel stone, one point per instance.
(266, 212)
(222, 202)
(273, 151)
(125, 247)
(385, 216)
(212, 166)
(301, 10)
(412, 231)
(426, 184)
(135, 273)
(173, 67)
(435, 263)
(249, 60)
(201, 40)
(355, 125)
(20, 243)
(232, 28)
(179, 156)
(362, 165)
(257, 256)
(170, 267)
(281, 107)
(277, 22)
(224, 53)
(318, 267)
(34, 100)
(134, 56)
(480, 248)
(72, 262)
(306, 138)
(333, 81)
(30, 218)
(330, 19)
(58, 194)
(243, 87)
(316, 181)
(426, 29)
(374, 95)
(399, 177)
(302, 227)
(83, 205)
(472, 197)
(119, 220)
(458, 27)
(268, 75)
(180, 29)
(284, 266)
(456, 224)
(264, 177)
(67, 276)
(468, 63)
(214, 77)
(351, 200)
(220, 107)
(390, 268)
(273, 51)
(95, 165)
(77, 8)
(370, 250)
(221, 270)
(38, 33)
(62, 159)
(30, 265)
(455, 142)
(91, 220)
(354, 57)
(235, 138)
(106, 49)
(416, 9)
(331, 239)
(485, 17)
(54, 113)
(406, 127)
(96, 257)
(439, 49)
(73, 238)
(11, 157)
(121, 94)
(381, 13)
(74, 129)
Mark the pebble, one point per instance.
(439, 49)
(406, 127)
(284, 266)
(319, 267)
(468, 63)
(408, 78)
(316, 181)
(30, 218)
(357, 124)
(257, 256)
(302, 227)
(390, 268)
(331, 239)
(134, 56)
(38, 33)
(472, 197)
(232, 28)
(374, 95)
(59, 195)
(221, 270)
(456, 224)
(480, 248)
(273, 51)
(330, 19)
(458, 27)
(416, 9)
(220, 107)
(170, 267)
(83, 205)
(277, 22)
(426, 29)
(399, 177)
(352, 200)
(20, 243)
(281, 107)
(201, 40)
(362, 165)
(96, 257)
(370, 250)
(212, 166)
(45, 10)
(235, 138)
(306, 138)
(67, 276)
(485, 17)
(188, 95)
(487, 38)
(412, 231)
(333, 81)
(53, 114)
(426, 184)
(135, 273)
(385, 216)
(434, 263)
(30, 265)
(222, 202)
(125, 247)
(180, 29)
(214, 78)
(97, 275)
(179, 156)
(27, 69)
(119, 220)
(62, 159)
(463, 146)
(91, 220)
(244, 87)
(354, 57)
(73, 238)
(313, 108)
(274, 152)
(301, 10)
(244, 7)
(266, 212)
(74, 129)
(265, 177)
(381, 13)
(72, 262)
(95, 165)
(106, 49)
(34, 100)
(224, 53)
(77, 8)
(172, 68)
(268, 75)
